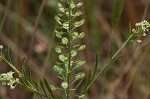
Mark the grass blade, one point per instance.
(29, 71)
(117, 9)
(87, 82)
(96, 64)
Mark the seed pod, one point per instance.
(79, 75)
(64, 85)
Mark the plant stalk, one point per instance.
(109, 62)
(69, 50)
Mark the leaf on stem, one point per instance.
(49, 89)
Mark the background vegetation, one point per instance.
(27, 28)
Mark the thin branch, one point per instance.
(35, 29)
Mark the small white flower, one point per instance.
(139, 41)
(137, 24)
(10, 74)
(144, 34)
(141, 29)
(133, 30)
(8, 79)
(1, 46)
(17, 80)
(12, 87)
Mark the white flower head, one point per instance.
(142, 26)
(12, 87)
(141, 29)
(8, 79)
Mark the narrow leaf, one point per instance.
(48, 88)
(29, 71)
(96, 64)
(22, 62)
(87, 82)
(9, 56)
(24, 75)
(42, 85)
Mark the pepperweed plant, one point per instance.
(66, 66)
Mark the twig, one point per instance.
(34, 30)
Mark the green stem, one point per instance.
(11, 65)
(69, 50)
(109, 62)
(32, 89)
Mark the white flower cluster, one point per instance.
(8, 79)
(141, 27)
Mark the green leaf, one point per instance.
(79, 75)
(79, 23)
(22, 62)
(81, 35)
(82, 47)
(96, 64)
(29, 71)
(64, 40)
(36, 85)
(24, 77)
(9, 56)
(89, 79)
(48, 88)
(117, 9)
(58, 49)
(42, 85)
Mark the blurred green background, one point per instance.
(27, 28)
